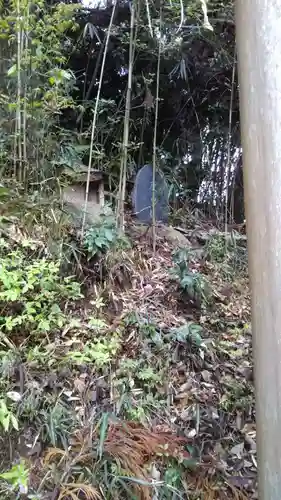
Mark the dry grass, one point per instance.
(129, 445)
(74, 491)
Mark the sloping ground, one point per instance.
(145, 391)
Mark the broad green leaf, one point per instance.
(12, 71)
(14, 422)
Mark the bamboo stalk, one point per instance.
(95, 119)
(149, 18)
(229, 142)
(25, 97)
(123, 169)
(155, 134)
(18, 139)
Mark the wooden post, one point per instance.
(258, 24)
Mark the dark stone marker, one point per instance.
(142, 196)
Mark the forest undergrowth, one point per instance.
(124, 373)
(131, 375)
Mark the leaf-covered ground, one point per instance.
(141, 389)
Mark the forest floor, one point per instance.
(143, 389)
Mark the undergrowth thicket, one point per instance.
(95, 398)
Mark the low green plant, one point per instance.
(138, 413)
(172, 479)
(148, 329)
(57, 421)
(32, 292)
(137, 405)
(191, 332)
(9, 360)
(99, 352)
(238, 395)
(103, 235)
(216, 248)
(8, 420)
(192, 282)
(38, 356)
(30, 407)
(133, 372)
(229, 251)
(17, 478)
(148, 376)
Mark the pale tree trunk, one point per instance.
(259, 69)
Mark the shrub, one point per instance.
(32, 292)
(103, 235)
(192, 282)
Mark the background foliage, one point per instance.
(198, 125)
(51, 80)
